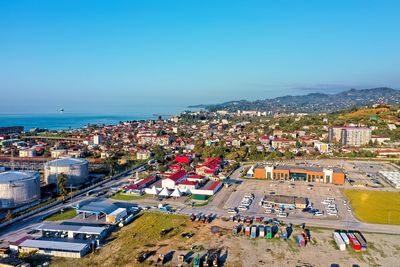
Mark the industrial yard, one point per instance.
(157, 234)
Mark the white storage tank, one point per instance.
(18, 188)
(76, 169)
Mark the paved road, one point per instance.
(19, 229)
(346, 221)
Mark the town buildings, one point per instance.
(349, 135)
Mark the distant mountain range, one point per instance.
(314, 102)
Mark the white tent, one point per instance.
(153, 191)
(176, 193)
(165, 192)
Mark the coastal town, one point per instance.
(66, 194)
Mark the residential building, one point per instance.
(349, 135)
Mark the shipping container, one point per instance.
(301, 242)
(339, 241)
(345, 238)
(261, 231)
(247, 230)
(361, 240)
(254, 231)
(354, 242)
(269, 232)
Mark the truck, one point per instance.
(269, 232)
(261, 230)
(345, 238)
(126, 221)
(254, 231)
(339, 241)
(247, 230)
(354, 242)
(197, 261)
(361, 240)
(301, 242)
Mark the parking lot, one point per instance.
(315, 194)
(366, 174)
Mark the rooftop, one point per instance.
(11, 176)
(97, 207)
(54, 245)
(92, 230)
(64, 162)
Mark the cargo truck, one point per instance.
(261, 230)
(354, 242)
(269, 232)
(345, 238)
(247, 230)
(362, 242)
(339, 241)
(253, 231)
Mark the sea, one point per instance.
(70, 120)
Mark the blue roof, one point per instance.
(97, 208)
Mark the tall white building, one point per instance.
(349, 135)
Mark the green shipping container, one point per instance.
(200, 197)
(269, 232)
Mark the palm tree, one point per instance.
(62, 180)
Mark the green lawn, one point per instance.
(66, 215)
(375, 206)
(124, 197)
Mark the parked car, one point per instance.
(232, 211)
(282, 214)
(268, 211)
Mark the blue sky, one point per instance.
(113, 55)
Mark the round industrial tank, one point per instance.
(18, 188)
(76, 169)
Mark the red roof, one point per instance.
(183, 159)
(177, 175)
(388, 151)
(214, 185)
(264, 137)
(350, 127)
(277, 139)
(133, 187)
(378, 136)
(196, 176)
(186, 182)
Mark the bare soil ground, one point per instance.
(144, 235)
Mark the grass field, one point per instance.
(66, 215)
(123, 197)
(142, 234)
(375, 206)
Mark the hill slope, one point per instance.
(315, 102)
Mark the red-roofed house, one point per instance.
(388, 152)
(282, 143)
(175, 167)
(185, 159)
(210, 167)
(171, 180)
(139, 187)
(185, 185)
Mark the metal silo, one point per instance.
(76, 169)
(18, 188)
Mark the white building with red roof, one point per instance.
(173, 179)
